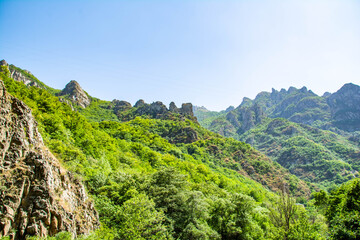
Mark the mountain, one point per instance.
(154, 173)
(76, 94)
(290, 127)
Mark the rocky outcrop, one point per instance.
(174, 108)
(187, 109)
(37, 195)
(76, 94)
(157, 110)
(120, 106)
(19, 76)
(139, 103)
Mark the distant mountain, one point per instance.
(339, 112)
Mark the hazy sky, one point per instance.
(210, 53)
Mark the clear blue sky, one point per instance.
(210, 53)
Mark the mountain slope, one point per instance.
(312, 154)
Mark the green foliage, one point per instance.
(314, 155)
(98, 111)
(102, 233)
(342, 210)
(205, 117)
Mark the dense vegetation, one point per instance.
(149, 182)
(313, 154)
(342, 210)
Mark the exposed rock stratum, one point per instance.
(37, 195)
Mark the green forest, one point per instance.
(170, 178)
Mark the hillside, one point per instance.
(155, 173)
(312, 154)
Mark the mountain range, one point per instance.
(315, 137)
(75, 166)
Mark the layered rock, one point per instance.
(76, 94)
(37, 195)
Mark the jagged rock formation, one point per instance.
(37, 195)
(18, 76)
(173, 108)
(76, 94)
(187, 109)
(336, 112)
(157, 109)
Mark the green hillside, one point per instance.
(312, 154)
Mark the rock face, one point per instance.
(245, 118)
(76, 94)
(187, 109)
(37, 195)
(173, 108)
(345, 107)
(18, 76)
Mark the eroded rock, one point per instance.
(76, 94)
(37, 195)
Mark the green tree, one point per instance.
(140, 220)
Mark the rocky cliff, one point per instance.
(76, 94)
(37, 195)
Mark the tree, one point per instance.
(283, 212)
(140, 220)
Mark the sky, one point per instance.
(210, 53)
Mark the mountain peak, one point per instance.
(76, 94)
